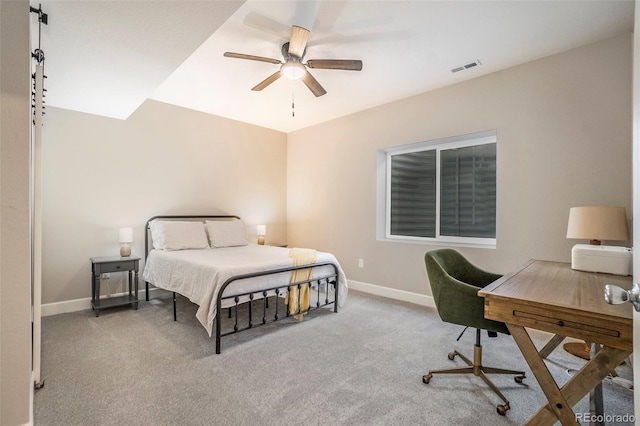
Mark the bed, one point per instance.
(208, 260)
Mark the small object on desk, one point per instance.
(605, 259)
(102, 265)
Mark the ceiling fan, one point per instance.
(293, 53)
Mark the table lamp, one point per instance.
(262, 231)
(597, 223)
(126, 238)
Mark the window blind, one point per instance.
(413, 194)
(468, 191)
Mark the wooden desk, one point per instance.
(552, 297)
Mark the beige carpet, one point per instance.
(361, 366)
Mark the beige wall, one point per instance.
(15, 255)
(564, 139)
(101, 174)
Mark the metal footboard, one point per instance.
(328, 282)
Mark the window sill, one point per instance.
(441, 242)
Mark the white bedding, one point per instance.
(199, 274)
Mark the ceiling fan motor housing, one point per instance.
(288, 56)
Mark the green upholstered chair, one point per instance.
(455, 283)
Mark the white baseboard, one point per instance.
(392, 293)
(75, 305)
(81, 304)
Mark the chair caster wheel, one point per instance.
(519, 378)
(451, 355)
(426, 378)
(502, 409)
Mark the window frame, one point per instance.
(385, 155)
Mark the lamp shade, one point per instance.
(597, 223)
(262, 230)
(126, 235)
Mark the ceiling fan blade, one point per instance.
(251, 57)
(313, 84)
(298, 41)
(267, 81)
(335, 64)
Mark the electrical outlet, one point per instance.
(360, 263)
(105, 276)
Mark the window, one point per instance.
(440, 191)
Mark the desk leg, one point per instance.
(596, 405)
(551, 346)
(587, 378)
(561, 401)
(558, 405)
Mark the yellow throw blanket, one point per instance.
(300, 256)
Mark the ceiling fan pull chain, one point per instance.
(293, 105)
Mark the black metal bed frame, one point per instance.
(327, 281)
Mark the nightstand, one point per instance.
(103, 265)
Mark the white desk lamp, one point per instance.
(597, 223)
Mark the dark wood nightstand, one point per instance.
(102, 265)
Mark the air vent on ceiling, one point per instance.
(467, 66)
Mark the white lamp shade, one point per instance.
(262, 230)
(126, 235)
(598, 223)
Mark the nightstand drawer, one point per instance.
(127, 265)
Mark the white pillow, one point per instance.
(176, 235)
(227, 233)
(156, 234)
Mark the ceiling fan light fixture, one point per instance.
(293, 70)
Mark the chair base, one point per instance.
(477, 369)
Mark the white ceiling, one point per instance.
(105, 57)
